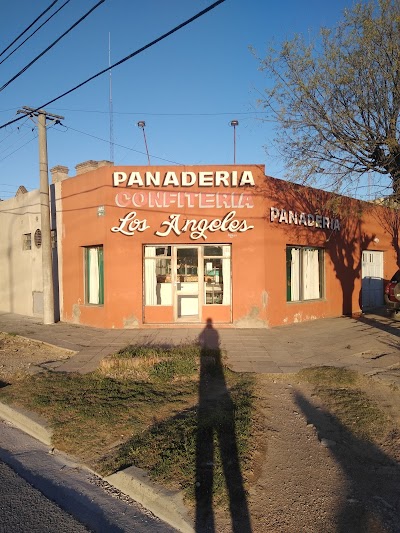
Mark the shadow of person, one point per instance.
(371, 501)
(216, 427)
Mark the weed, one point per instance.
(329, 375)
(141, 408)
(341, 392)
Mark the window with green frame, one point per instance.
(94, 275)
(304, 273)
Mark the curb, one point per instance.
(135, 483)
(28, 423)
(165, 504)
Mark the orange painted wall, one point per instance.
(258, 255)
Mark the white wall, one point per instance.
(21, 287)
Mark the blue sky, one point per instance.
(187, 88)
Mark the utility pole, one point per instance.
(47, 260)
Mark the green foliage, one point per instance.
(355, 411)
(167, 450)
(329, 375)
(336, 100)
(342, 394)
(154, 422)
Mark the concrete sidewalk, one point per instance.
(369, 344)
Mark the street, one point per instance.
(73, 489)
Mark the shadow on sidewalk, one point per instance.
(216, 432)
(371, 503)
(392, 327)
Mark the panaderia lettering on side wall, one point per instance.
(283, 216)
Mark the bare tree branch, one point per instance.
(337, 101)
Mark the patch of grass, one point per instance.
(355, 411)
(168, 449)
(141, 408)
(343, 395)
(329, 376)
(147, 363)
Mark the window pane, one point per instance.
(293, 274)
(311, 270)
(213, 250)
(304, 267)
(27, 241)
(217, 274)
(163, 250)
(213, 281)
(157, 279)
(94, 275)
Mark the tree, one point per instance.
(337, 100)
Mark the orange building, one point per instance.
(147, 246)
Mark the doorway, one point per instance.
(372, 279)
(184, 282)
(187, 277)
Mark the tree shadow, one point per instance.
(393, 328)
(389, 218)
(371, 501)
(216, 432)
(343, 247)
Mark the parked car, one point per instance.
(392, 296)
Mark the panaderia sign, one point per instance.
(284, 216)
(170, 189)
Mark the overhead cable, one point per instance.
(119, 145)
(152, 43)
(33, 33)
(51, 46)
(29, 27)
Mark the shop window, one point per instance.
(217, 275)
(27, 241)
(157, 275)
(94, 275)
(304, 273)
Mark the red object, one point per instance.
(389, 291)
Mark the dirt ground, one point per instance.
(310, 474)
(20, 356)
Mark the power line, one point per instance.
(121, 145)
(16, 150)
(37, 29)
(28, 28)
(152, 43)
(215, 114)
(51, 46)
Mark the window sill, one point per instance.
(307, 301)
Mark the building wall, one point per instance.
(21, 288)
(92, 206)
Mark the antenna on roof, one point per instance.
(110, 105)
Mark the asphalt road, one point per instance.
(24, 508)
(45, 492)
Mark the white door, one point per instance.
(372, 279)
(187, 283)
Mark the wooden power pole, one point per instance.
(47, 259)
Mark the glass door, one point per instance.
(187, 283)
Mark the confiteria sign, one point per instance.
(158, 197)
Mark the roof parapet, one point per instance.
(87, 166)
(59, 173)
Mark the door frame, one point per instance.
(200, 277)
(365, 285)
